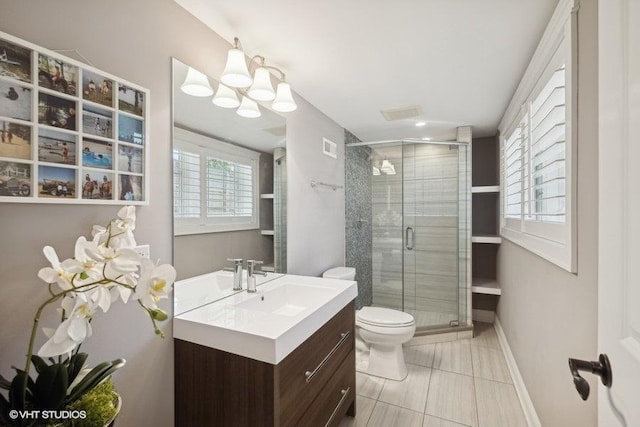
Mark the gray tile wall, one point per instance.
(358, 216)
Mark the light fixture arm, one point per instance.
(259, 61)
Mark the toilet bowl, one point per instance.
(380, 333)
(383, 331)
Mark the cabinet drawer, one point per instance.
(334, 399)
(304, 373)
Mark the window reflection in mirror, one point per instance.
(229, 184)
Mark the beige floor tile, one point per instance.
(454, 356)
(368, 385)
(498, 405)
(410, 393)
(385, 415)
(489, 364)
(364, 408)
(431, 339)
(451, 396)
(430, 421)
(420, 354)
(485, 335)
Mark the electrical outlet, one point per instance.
(143, 250)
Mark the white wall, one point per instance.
(135, 41)
(548, 314)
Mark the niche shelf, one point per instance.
(485, 286)
(485, 236)
(485, 189)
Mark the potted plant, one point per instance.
(106, 269)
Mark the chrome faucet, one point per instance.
(252, 270)
(237, 273)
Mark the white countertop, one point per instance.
(229, 325)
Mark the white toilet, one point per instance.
(380, 333)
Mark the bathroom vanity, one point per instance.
(283, 356)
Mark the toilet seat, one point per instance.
(384, 317)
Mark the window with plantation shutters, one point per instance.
(215, 185)
(536, 160)
(547, 161)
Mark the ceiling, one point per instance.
(460, 61)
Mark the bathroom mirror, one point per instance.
(239, 210)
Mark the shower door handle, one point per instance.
(409, 232)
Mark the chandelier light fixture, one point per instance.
(241, 85)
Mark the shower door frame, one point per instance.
(463, 229)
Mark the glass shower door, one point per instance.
(387, 226)
(431, 221)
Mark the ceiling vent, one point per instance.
(402, 113)
(277, 131)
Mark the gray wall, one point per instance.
(135, 41)
(315, 216)
(548, 314)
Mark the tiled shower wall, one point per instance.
(358, 216)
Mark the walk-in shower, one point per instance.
(408, 227)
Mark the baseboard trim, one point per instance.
(529, 410)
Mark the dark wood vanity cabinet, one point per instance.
(313, 386)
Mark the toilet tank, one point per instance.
(342, 273)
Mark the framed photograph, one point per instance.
(130, 159)
(57, 112)
(57, 75)
(97, 121)
(96, 88)
(15, 61)
(69, 133)
(130, 129)
(56, 182)
(97, 185)
(97, 153)
(131, 100)
(56, 147)
(15, 140)
(15, 179)
(131, 188)
(15, 101)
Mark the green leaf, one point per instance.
(18, 391)
(5, 407)
(39, 363)
(5, 383)
(76, 363)
(51, 387)
(95, 377)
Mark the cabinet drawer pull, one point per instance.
(345, 394)
(310, 374)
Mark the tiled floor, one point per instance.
(450, 384)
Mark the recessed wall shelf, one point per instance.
(485, 286)
(267, 232)
(485, 189)
(267, 196)
(486, 239)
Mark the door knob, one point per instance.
(602, 368)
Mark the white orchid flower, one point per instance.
(117, 262)
(122, 229)
(88, 268)
(124, 292)
(56, 273)
(73, 330)
(155, 283)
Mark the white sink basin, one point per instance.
(270, 324)
(200, 290)
(289, 299)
